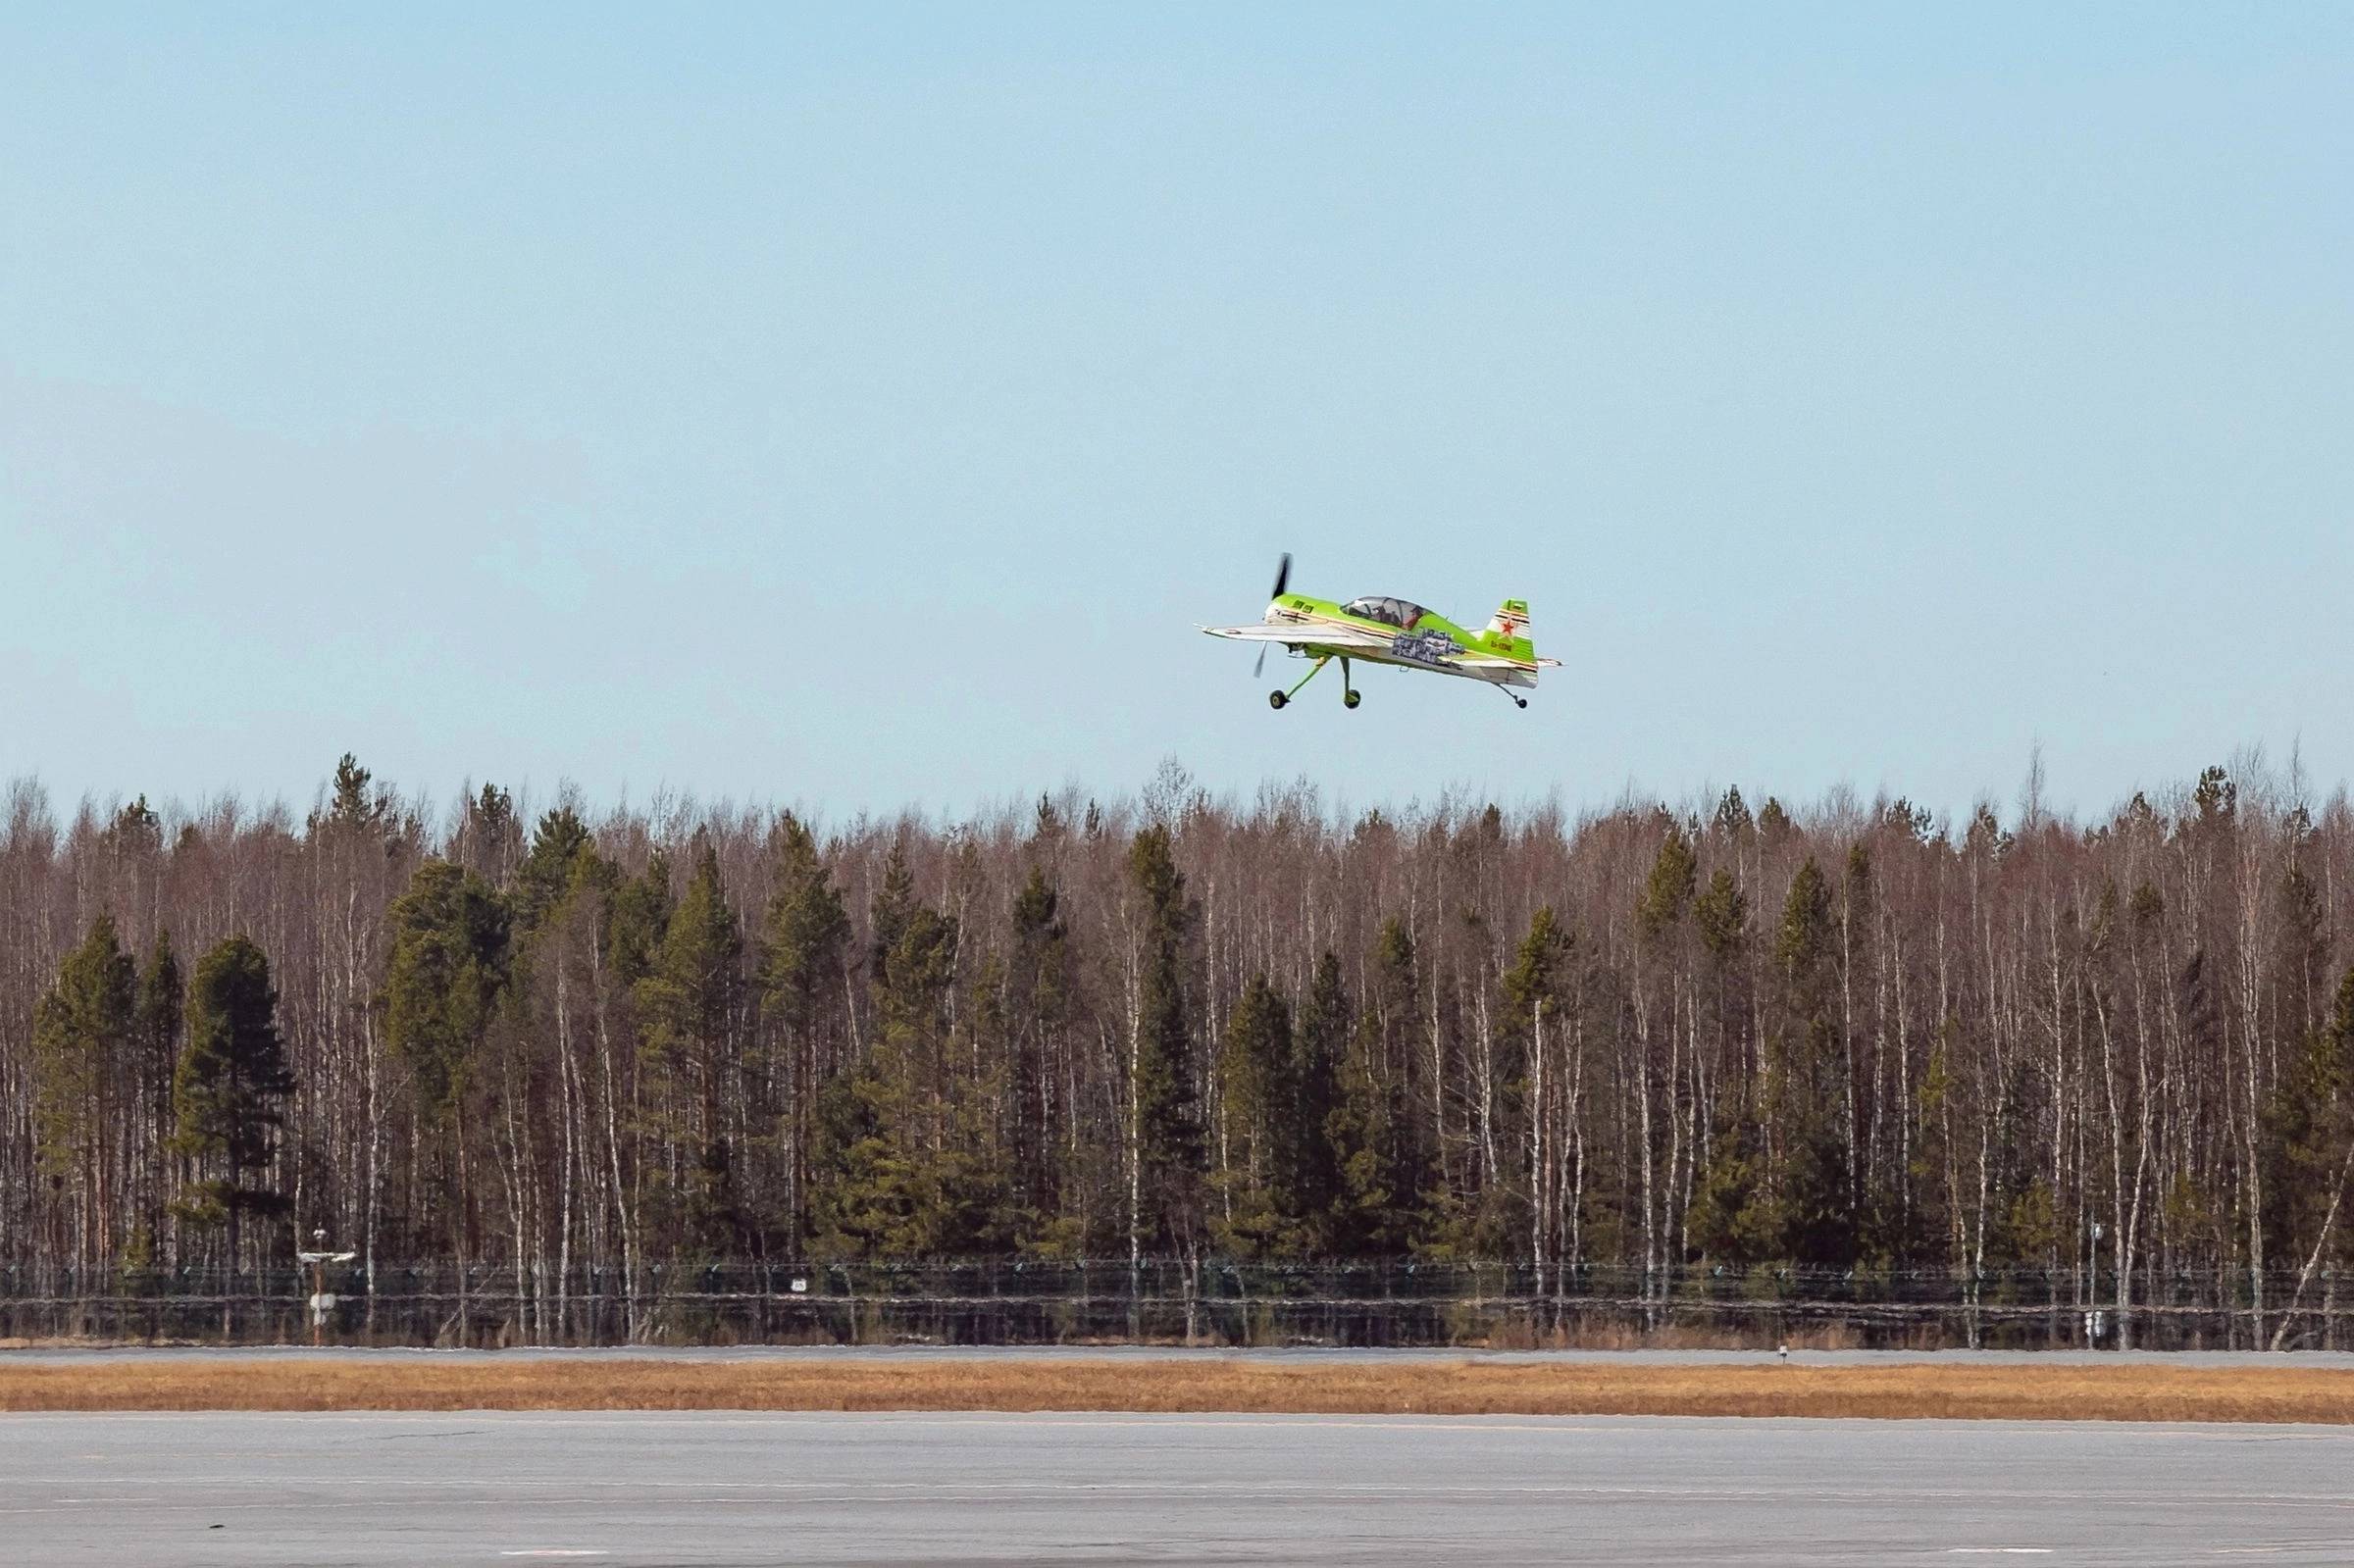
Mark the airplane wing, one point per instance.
(1497, 661)
(1301, 637)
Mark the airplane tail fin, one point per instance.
(1508, 635)
(1507, 630)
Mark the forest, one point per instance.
(1838, 1035)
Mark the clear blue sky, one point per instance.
(860, 405)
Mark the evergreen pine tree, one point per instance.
(1038, 1007)
(156, 1032)
(1732, 819)
(888, 911)
(804, 936)
(1721, 914)
(919, 1172)
(82, 1054)
(1818, 1219)
(691, 1005)
(357, 800)
(442, 987)
(558, 843)
(2307, 1124)
(1256, 1086)
(1384, 1175)
(449, 961)
(490, 841)
(1320, 1047)
(638, 918)
(229, 1089)
(1667, 892)
(1732, 1219)
(1164, 1130)
(1536, 990)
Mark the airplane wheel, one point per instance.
(1276, 699)
(1523, 702)
(1351, 699)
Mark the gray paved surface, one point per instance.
(664, 1489)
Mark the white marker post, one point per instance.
(322, 1303)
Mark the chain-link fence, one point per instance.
(1175, 1300)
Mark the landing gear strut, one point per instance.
(1518, 701)
(1349, 696)
(1279, 699)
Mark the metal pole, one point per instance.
(319, 1258)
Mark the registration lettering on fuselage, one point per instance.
(1423, 647)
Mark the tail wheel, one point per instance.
(1276, 699)
(1351, 699)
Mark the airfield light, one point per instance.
(322, 1303)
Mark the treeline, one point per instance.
(1848, 1036)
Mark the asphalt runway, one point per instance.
(691, 1489)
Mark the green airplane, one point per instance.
(1379, 630)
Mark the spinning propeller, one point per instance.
(1283, 576)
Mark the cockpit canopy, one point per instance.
(1395, 612)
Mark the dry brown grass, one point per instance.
(2137, 1391)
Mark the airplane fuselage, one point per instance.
(1414, 645)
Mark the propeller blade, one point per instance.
(1261, 668)
(1283, 575)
